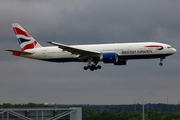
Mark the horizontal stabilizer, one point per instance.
(18, 53)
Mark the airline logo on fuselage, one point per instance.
(158, 47)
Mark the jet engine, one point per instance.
(110, 57)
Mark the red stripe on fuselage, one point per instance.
(18, 31)
(153, 46)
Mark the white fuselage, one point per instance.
(124, 51)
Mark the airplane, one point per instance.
(115, 53)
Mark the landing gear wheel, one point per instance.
(99, 67)
(161, 64)
(92, 66)
(85, 67)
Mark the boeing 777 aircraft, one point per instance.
(92, 54)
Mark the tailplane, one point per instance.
(18, 53)
(25, 40)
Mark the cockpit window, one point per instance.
(169, 47)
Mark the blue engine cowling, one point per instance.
(109, 57)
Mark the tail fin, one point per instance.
(25, 40)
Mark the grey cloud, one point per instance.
(81, 22)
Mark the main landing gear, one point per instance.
(92, 67)
(161, 59)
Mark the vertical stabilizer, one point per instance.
(25, 40)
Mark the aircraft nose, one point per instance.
(173, 50)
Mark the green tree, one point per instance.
(108, 115)
(89, 114)
(171, 116)
(153, 115)
(134, 115)
(129, 115)
(123, 115)
(6, 105)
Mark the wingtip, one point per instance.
(48, 41)
(8, 50)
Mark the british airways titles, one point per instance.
(136, 51)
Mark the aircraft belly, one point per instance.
(61, 57)
(52, 56)
(142, 56)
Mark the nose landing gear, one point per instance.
(161, 59)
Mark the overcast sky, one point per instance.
(86, 22)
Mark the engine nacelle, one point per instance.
(109, 57)
(121, 62)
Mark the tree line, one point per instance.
(113, 112)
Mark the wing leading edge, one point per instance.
(77, 51)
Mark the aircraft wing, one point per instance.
(77, 51)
